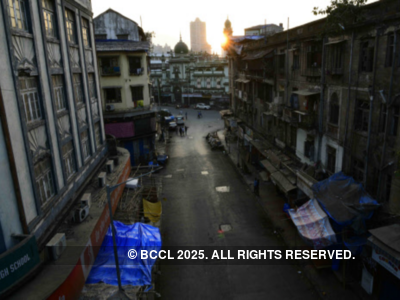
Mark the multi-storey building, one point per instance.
(188, 78)
(198, 37)
(332, 102)
(125, 84)
(52, 138)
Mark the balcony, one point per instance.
(110, 71)
(305, 120)
(311, 72)
(289, 116)
(332, 130)
(136, 72)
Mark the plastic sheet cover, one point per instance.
(313, 224)
(136, 272)
(344, 199)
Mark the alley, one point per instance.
(194, 211)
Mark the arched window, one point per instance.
(334, 109)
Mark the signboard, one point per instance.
(71, 288)
(18, 262)
(386, 263)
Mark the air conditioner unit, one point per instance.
(102, 179)
(110, 166)
(110, 107)
(86, 199)
(56, 246)
(81, 213)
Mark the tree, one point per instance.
(341, 15)
(149, 37)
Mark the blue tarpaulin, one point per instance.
(136, 272)
(344, 200)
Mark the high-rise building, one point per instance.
(198, 36)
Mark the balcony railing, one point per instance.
(110, 70)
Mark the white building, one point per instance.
(198, 37)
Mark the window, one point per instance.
(137, 93)
(78, 93)
(314, 56)
(58, 86)
(281, 63)
(85, 32)
(30, 98)
(100, 36)
(109, 66)
(309, 148)
(112, 95)
(68, 158)
(361, 115)
(382, 118)
(92, 86)
(49, 18)
(135, 66)
(124, 36)
(218, 83)
(198, 83)
(97, 134)
(293, 136)
(18, 14)
(367, 57)
(395, 121)
(335, 58)
(85, 145)
(388, 187)
(296, 60)
(334, 110)
(389, 50)
(44, 179)
(70, 24)
(331, 159)
(358, 169)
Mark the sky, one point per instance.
(170, 18)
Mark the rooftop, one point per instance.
(118, 45)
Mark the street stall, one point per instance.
(313, 225)
(384, 280)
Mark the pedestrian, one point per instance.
(186, 128)
(256, 187)
(181, 128)
(226, 139)
(186, 115)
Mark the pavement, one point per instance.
(194, 212)
(324, 280)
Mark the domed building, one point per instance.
(186, 77)
(181, 47)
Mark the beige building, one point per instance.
(125, 86)
(198, 36)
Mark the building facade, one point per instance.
(267, 29)
(188, 78)
(52, 136)
(198, 37)
(125, 84)
(330, 104)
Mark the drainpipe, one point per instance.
(371, 90)
(348, 100)
(321, 102)
(388, 105)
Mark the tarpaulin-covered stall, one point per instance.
(313, 224)
(136, 272)
(345, 200)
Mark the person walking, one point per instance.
(186, 128)
(181, 131)
(256, 187)
(185, 115)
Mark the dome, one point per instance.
(181, 48)
(227, 23)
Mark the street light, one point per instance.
(110, 189)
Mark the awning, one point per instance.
(245, 80)
(227, 112)
(257, 55)
(239, 80)
(268, 166)
(269, 81)
(282, 182)
(274, 159)
(307, 92)
(268, 113)
(120, 130)
(335, 42)
(313, 224)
